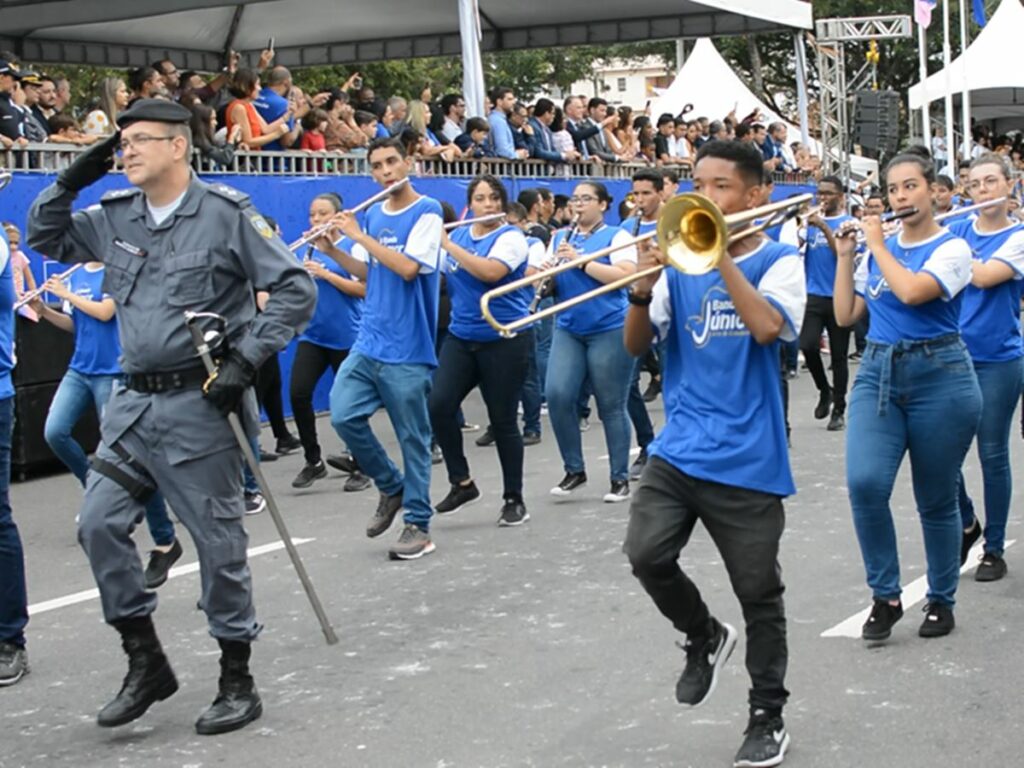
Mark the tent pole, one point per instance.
(472, 63)
(922, 48)
(952, 149)
(965, 97)
(801, 86)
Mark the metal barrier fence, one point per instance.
(47, 158)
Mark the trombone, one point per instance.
(692, 232)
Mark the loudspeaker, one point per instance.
(876, 120)
(43, 352)
(29, 452)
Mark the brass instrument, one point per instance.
(323, 229)
(692, 233)
(31, 295)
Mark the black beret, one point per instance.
(154, 110)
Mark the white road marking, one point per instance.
(181, 570)
(913, 593)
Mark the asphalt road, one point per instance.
(532, 646)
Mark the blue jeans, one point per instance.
(542, 330)
(1001, 385)
(75, 394)
(533, 393)
(364, 385)
(790, 354)
(603, 358)
(637, 409)
(13, 598)
(922, 397)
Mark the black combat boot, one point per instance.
(149, 679)
(237, 703)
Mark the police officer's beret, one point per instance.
(154, 110)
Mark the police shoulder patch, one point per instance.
(260, 224)
(120, 194)
(229, 193)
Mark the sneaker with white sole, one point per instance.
(705, 657)
(413, 542)
(619, 492)
(254, 503)
(765, 743)
(459, 496)
(513, 513)
(570, 483)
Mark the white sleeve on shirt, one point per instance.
(510, 249)
(623, 254)
(790, 233)
(359, 253)
(860, 275)
(661, 308)
(785, 286)
(424, 243)
(1012, 252)
(950, 264)
(538, 254)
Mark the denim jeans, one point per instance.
(533, 391)
(75, 394)
(543, 331)
(921, 397)
(1001, 385)
(637, 408)
(13, 598)
(603, 358)
(364, 385)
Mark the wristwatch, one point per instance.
(638, 300)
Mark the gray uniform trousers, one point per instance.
(204, 491)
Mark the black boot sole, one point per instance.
(166, 689)
(226, 726)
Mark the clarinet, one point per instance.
(546, 287)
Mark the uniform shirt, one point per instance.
(336, 319)
(820, 263)
(207, 256)
(608, 311)
(6, 319)
(946, 258)
(724, 419)
(96, 345)
(12, 119)
(272, 106)
(990, 317)
(629, 226)
(400, 316)
(506, 244)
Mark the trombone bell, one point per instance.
(692, 234)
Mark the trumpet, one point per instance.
(466, 222)
(693, 234)
(32, 295)
(316, 233)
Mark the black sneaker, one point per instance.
(991, 568)
(266, 456)
(570, 483)
(160, 565)
(13, 663)
(637, 467)
(343, 462)
(653, 390)
(766, 741)
(824, 404)
(413, 542)
(459, 496)
(704, 658)
(254, 503)
(938, 620)
(619, 492)
(531, 438)
(308, 474)
(487, 438)
(382, 519)
(357, 481)
(837, 423)
(288, 444)
(880, 622)
(513, 513)
(971, 536)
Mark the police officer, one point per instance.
(174, 244)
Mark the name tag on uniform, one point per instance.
(127, 247)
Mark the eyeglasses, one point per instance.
(140, 141)
(582, 199)
(990, 182)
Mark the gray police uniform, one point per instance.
(158, 429)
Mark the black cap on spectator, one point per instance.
(154, 110)
(6, 68)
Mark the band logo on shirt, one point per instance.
(718, 317)
(388, 239)
(875, 291)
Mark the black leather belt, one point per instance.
(165, 381)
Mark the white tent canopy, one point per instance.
(196, 33)
(992, 74)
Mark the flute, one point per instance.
(481, 220)
(31, 295)
(971, 208)
(323, 229)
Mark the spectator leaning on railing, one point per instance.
(454, 108)
(502, 143)
(255, 132)
(541, 140)
(35, 126)
(12, 119)
(112, 101)
(274, 103)
(474, 142)
(430, 146)
(145, 83)
(342, 135)
(597, 116)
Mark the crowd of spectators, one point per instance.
(262, 110)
